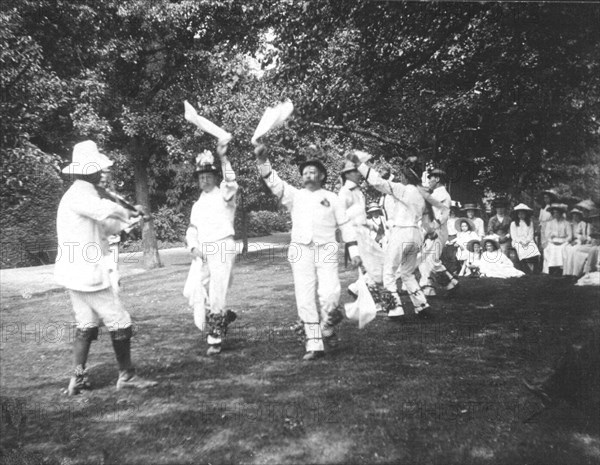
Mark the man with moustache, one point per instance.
(313, 253)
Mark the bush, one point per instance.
(262, 223)
(30, 190)
(169, 225)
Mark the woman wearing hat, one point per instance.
(472, 210)
(548, 197)
(578, 249)
(466, 233)
(493, 263)
(499, 224)
(558, 234)
(521, 232)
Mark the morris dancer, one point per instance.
(369, 250)
(83, 223)
(405, 240)
(313, 253)
(210, 240)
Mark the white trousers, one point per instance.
(401, 259)
(315, 271)
(209, 279)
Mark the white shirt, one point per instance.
(83, 223)
(441, 213)
(316, 215)
(353, 201)
(213, 213)
(408, 202)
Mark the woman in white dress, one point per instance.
(493, 263)
(579, 248)
(472, 210)
(521, 231)
(548, 198)
(558, 234)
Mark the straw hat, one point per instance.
(459, 221)
(436, 172)
(349, 166)
(471, 243)
(587, 204)
(470, 206)
(522, 207)
(87, 159)
(550, 192)
(491, 239)
(557, 206)
(576, 210)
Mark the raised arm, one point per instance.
(281, 189)
(229, 186)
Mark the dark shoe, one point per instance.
(79, 381)
(313, 355)
(426, 314)
(539, 392)
(331, 341)
(230, 317)
(129, 380)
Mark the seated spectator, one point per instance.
(472, 210)
(579, 248)
(591, 268)
(494, 263)
(548, 198)
(376, 223)
(449, 251)
(557, 235)
(499, 224)
(471, 264)
(466, 233)
(521, 233)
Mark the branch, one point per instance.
(362, 132)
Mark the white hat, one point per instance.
(522, 207)
(87, 159)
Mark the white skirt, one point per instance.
(553, 255)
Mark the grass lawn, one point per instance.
(442, 392)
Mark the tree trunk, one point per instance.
(151, 258)
(244, 224)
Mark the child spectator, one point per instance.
(521, 233)
(471, 265)
(472, 210)
(494, 263)
(466, 233)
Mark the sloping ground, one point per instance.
(446, 391)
